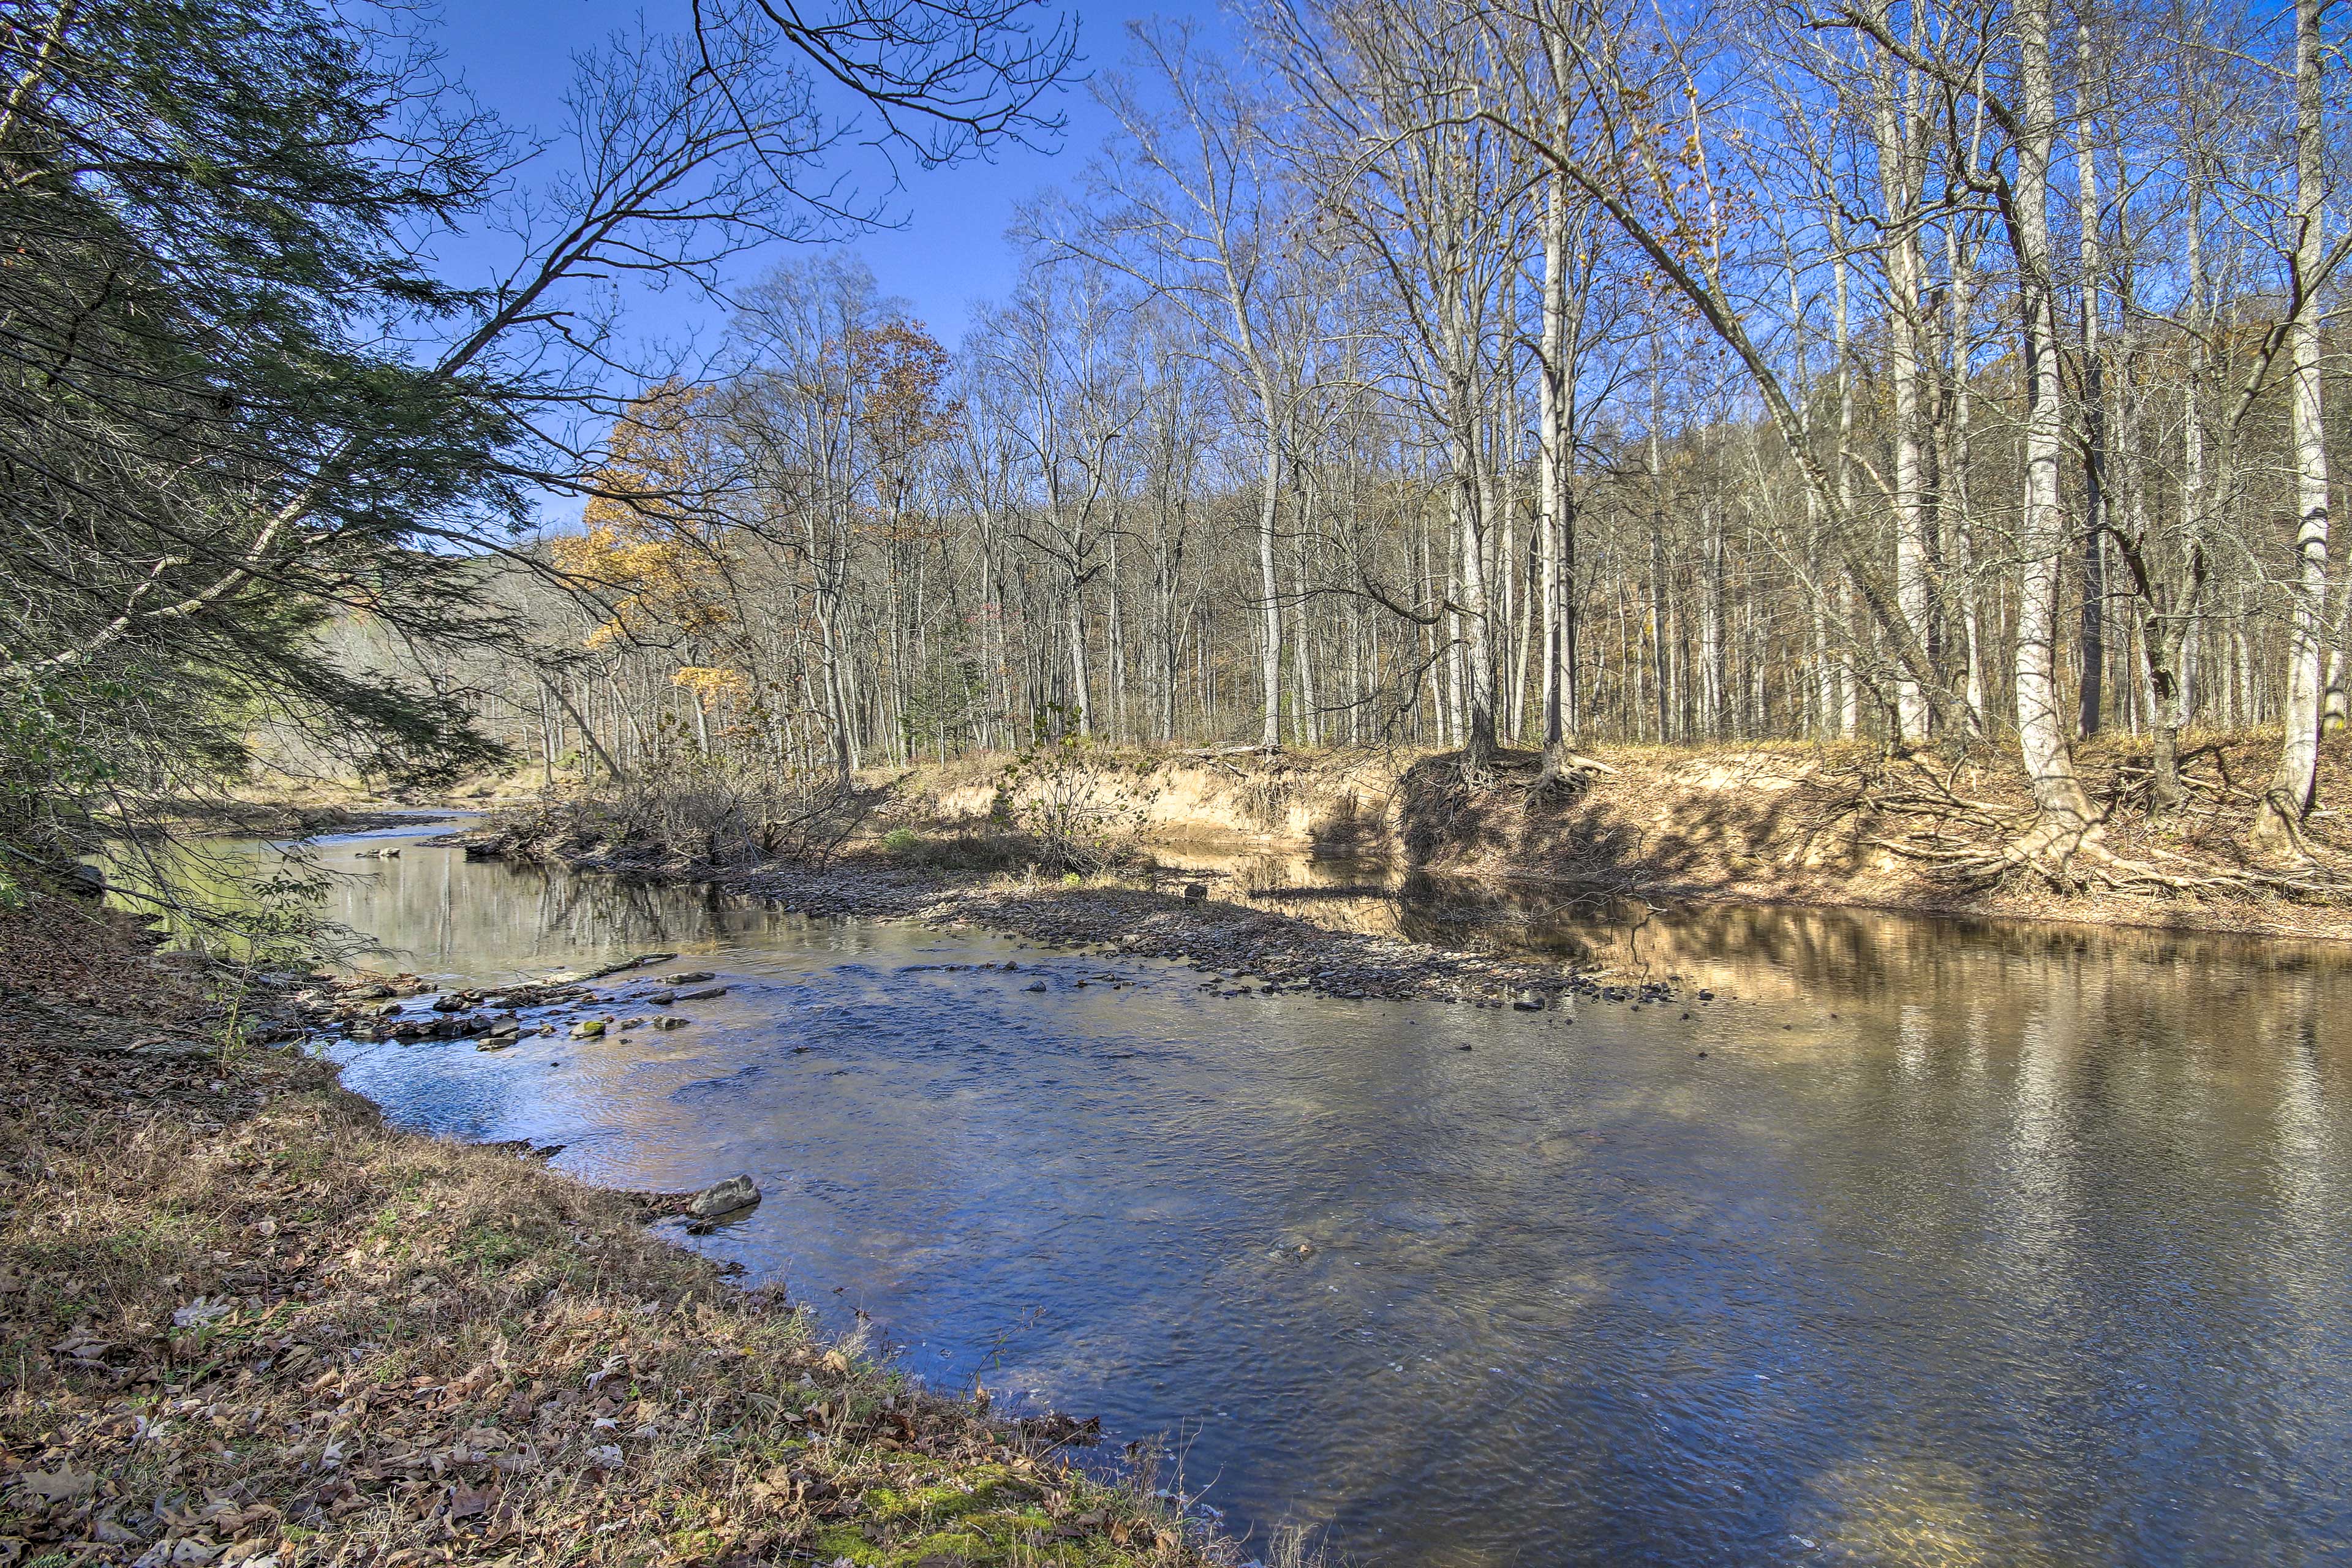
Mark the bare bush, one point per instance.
(701, 817)
(1082, 805)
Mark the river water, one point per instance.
(1921, 1243)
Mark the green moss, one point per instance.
(983, 1515)
(491, 1250)
(922, 1502)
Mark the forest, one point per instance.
(1472, 377)
(1486, 378)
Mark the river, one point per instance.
(1919, 1243)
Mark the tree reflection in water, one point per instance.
(1961, 1242)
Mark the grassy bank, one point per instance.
(244, 1322)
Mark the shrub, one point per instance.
(701, 812)
(1069, 796)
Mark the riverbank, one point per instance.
(1237, 946)
(244, 1322)
(1748, 823)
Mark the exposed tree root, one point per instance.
(1997, 842)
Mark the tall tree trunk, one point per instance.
(2093, 652)
(1899, 187)
(1959, 468)
(1116, 629)
(1663, 686)
(1270, 652)
(1555, 499)
(1843, 347)
(2278, 823)
(2063, 811)
(1310, 718)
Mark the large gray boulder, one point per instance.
(723, 1197)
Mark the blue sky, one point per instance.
(949, 253)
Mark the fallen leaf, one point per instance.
(466, 1502)
(60, 1484)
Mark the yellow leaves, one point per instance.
(585, 554)
(709, 683)
(654, 528)
(663, 581)
(664, 470)
(607, 554)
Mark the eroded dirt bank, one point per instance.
(244, 1322)
(1836, 826)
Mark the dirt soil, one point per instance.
(243, 1322)
(1845, 827)
(1748, 823)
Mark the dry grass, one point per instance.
(244, 1322)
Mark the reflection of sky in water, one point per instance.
(2011, 1245)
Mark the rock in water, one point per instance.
(723, 1197)
(707, 994)
(587, 1028)
(687, 977)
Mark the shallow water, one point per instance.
(1920, 1243)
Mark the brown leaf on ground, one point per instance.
(54, 1487)
(466, 1502)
